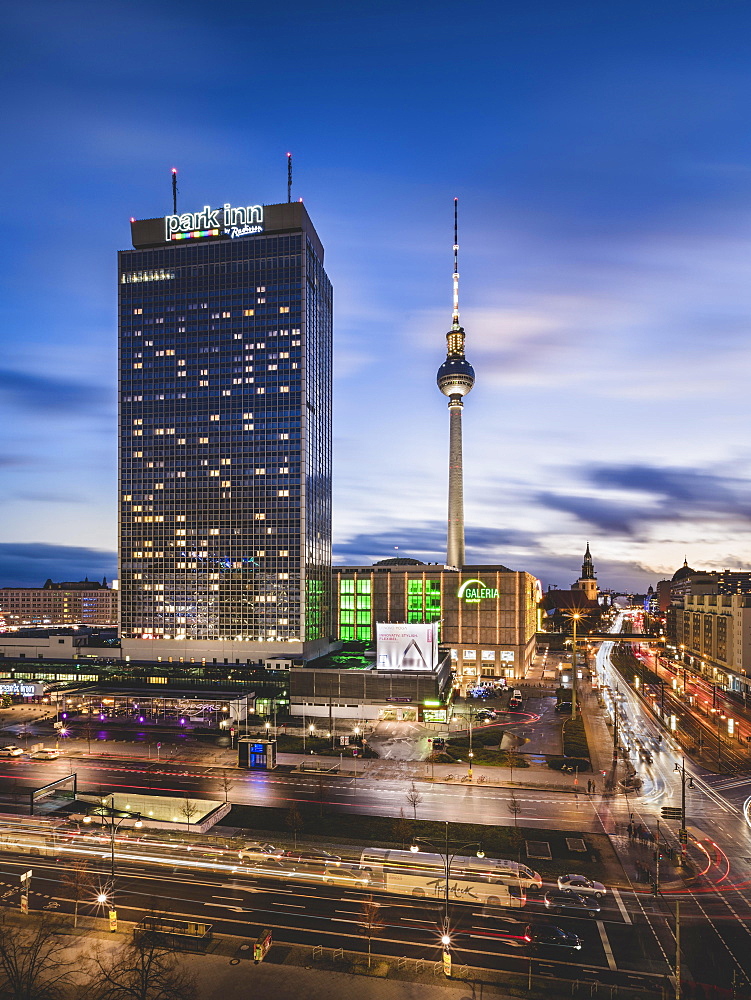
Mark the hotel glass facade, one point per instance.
(225, 440)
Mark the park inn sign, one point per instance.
(211, 221)
(474, 591)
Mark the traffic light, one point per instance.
(671, 812)
(683, 836)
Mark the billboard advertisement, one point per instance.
(407, 647)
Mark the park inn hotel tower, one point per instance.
(225, 324)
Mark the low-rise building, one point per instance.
(486, 615)
(713, 633)
(81, 603)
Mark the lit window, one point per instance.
(249, 312)
(260, 472)
(283, 388)
(138, 312)
(283, 309)
(283, 493)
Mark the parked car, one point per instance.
(310, 857)
(46, 753)
(516, 700)
(583, 886)
(551, 936)
(571, 902)
(346, 876)
(485, 714)
(10, 751)
(564, 706)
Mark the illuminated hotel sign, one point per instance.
(474, 591)
(227, 221)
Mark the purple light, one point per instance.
(64, 715)
(182, 722)
(101, 718)
(140, 718)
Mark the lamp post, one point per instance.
(103, 897)
(447, 859)
(574, 617)
(683, 836)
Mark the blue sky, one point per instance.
(602, 158)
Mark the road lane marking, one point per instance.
(283, 902)
(606, 946)
(621, 907)
(230, 899)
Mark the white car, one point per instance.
(46, 753)
(583, 886)
(346, 876)
(256, 851)
(10, 751)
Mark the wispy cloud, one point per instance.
(30, 564)
(44, 393)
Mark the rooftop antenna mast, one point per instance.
(174, 190)
(289, 178)
(455, 316)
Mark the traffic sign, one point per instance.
(671, 812)
(683, 836)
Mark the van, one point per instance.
(516, 699)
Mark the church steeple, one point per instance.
(588, 568)
(587, 582)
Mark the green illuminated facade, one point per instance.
(355, 610)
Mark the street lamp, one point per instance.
(683, 836)
(114, 827)
(447, 859)
(573, 617)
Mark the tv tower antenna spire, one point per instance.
(456, 376)
(455, 318)
(174, 190)
(289, 178)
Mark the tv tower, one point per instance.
(456, 376)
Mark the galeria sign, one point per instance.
(474, 591)
(208, 219)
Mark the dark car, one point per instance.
(564, 706)
(571, 902)
(551, 936)
(485, 714)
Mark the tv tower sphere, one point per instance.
(456, 376)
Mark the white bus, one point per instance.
(423, 876)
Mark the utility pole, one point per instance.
(677, 951)
(574, 706)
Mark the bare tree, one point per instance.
(227, 784)
(33, 964)
(371, 921)
(79, 885)
(141, 970)
(514, 807)
(414, 798)
(401, 829)
(189, 810)
(294, 821)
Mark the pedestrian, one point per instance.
(630, 830)
(594, 788)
